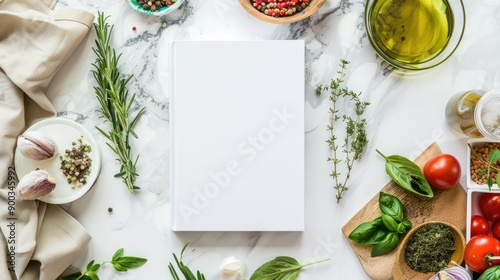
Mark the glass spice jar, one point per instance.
(475, 113)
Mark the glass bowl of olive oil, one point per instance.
(415, 34)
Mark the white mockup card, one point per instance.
(237, 135)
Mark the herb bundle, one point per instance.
(118, 261)
(112, 94)
(355, 140)
(385, 231)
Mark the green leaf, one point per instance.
(92, 275)
(489, 181)
(492, 273)
(391, 205)
(498, 179)
(281, 268)
(408, 225)
(385, 246)
(369, 233)
(118, 254)
(494, 156)
(389, 222)
(407, 174)
(126, 263)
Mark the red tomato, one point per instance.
(479, 226)
(477, 250)
(495, 229)
(489, 204)
(442, 171)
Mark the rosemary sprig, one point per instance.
(112, 94)
(184, 270)
(355, 140)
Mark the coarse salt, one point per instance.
(490, 115)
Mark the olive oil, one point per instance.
(411, 31)
(460, 111)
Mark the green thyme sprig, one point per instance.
(118, 261)
(112, 94)
(355, 140)
(184, 270)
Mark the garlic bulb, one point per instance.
(232, 269)
(36, 145)
(35, 184)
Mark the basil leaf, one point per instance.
(494, 156)
(126, 263)
(389, 222)
(280, 268)
(492, 273)
(407, 174)
(390, 205)
(369, 233)
(408, 225)
(118, 254)
(385, 246)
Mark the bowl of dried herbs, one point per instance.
(427, 249)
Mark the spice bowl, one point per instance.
(401, 270)
(312, 8)
(158, 11)
(478, 167)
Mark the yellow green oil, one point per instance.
(411, 31)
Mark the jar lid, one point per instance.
(487, 115)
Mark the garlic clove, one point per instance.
(37, 145)
(232, 269)
(35, 184)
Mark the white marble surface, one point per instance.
(406, 114)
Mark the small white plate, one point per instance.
(64, 132)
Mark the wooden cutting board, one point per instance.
(446, 205)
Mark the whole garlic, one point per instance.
(36, 145)
(232, 269)
(35, 184)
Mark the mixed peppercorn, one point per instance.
(76, 163)
(155, 5)
(280, 8)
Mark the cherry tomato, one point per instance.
(489, 204)
(442, 171)
(479, 226)
(495, 229)
(477, 250)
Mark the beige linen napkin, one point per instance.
(43, 240)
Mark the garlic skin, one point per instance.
(35, 184)
(232, 269)
(36, 145)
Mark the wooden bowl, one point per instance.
(401, 270)
(313, 7)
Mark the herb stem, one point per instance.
(112, 94)
(355, 140)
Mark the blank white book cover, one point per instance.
(237, 135)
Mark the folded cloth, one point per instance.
(39, 240)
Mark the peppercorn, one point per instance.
(280, 8)
(76, 163)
